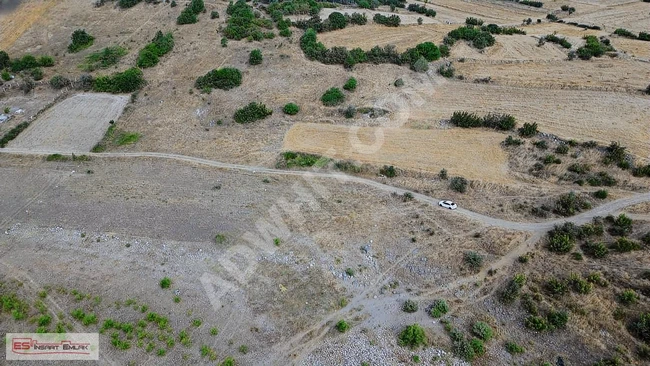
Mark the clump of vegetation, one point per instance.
(480, 38)
(225, 78)
(439, 308)
(628, 297)
(242, 23)
(512, 289)
(447, 71)
(555, 39)
(255, 57)
(640, 327)
(107, 57)
(528, 130)
(412, 336)
(121, 82)
(458, 184)
(294, 159)
(252, 112)
(80, 40)
(503, 122)
(291, 109)
(410, 306)
(570, 203)
(473, 21)
(594, 47)
(160, 45)
(13, 133)
(483, 331)
(473, 260)
(165, 283)
(342, 326)
(189, 14)
(389, 21)
(350, 84)
(513, 348)
(332, 97)
(421, 9)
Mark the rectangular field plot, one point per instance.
(75, 124)
(473, 154)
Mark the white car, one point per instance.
(448, 204)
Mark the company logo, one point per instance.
(52, 346)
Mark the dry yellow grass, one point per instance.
(422, 150)
(14, 24)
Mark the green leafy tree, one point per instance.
(291, 109)
(255, 57)
(80, 40)
(252, 112)
(413, 336)
(332, 97)
(337, 20)
(225, 78)
(350, 85)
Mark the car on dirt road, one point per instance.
(448, 204)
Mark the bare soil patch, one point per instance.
(75, 124)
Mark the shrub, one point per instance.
(187, 16)
(225, 78)
(399, 82)
(342, 326)
(252, 112)
(389, 21)
(601, 194)
(569, 204)
(37, 73)
(480, 38)
(125, 4)
(628, 297)
(46, 61)
(410, 306)
(473, 260)
(388, 171)
(412, 336)
(596, 250)
(80, 40)
(121, 82)
(621, 225)
(291, 109)
(624, 244)
(536, 323)
(439, 308)
(420, 9)
(337, 20)
(332, 97)
(458, 184)
(555, 39)
(511, 141)
(465, 119)
(536, 4)
(109, 56)
(351, 84)
(528, 130)
(473, 21)
(255, 57)
(625, 33)
(165, 283)
(513, 348)
(557, 319)
(446, 71)
(4, 60)
(159, 46)
(482, 331)
(420, 65)
(593, 48)
(214, 14)
(580, 285)
(59, 82)
(562, 149)
(557, 287)
(640, 327)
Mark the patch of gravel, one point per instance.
(375, 347)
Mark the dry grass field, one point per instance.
(75, 124)
(427, 150)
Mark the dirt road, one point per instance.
(582, 218)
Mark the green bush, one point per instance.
(214, 14)
(225, 78)
(255, 57)
(640, 327)
(388, 171)
(536, 323)
(569, 204)
(557, 319)
(187, 16)
(291, 109)
(511, 141)
(159, 46)
(580, 285)
(483, 331)
(458, 184)
(80, 40)
(557, 287)
(628, 297)
(473, 21)
(59, 82)
(337, 20)
(351, 84)
(625, 33)
(121, 82)
(252, 112)
(293, 159)
(125, 4)
(528, 130)
(13, 133)
(389, 21)
(601, 194)
(596, 250)
(412, 336)
(439, 308)
(410, 306)
(593, 48)
(621, 225)
(342, 326)
(421, 9)
(107, 57)
(4, 60)
(513, 348)
(480, 39)
(165, 283)
(28, 62)
(332, 97)
(446, 71)
(624, 244)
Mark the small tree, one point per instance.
(420, 65)
(458, 184)
(255, 57)
(528, 130)
(80, 40)
(439, 308)
(252, 112)
(291, 109)
(420, 21)
(342, 326)
(332, 97)
(337, 20)
(413, 336)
